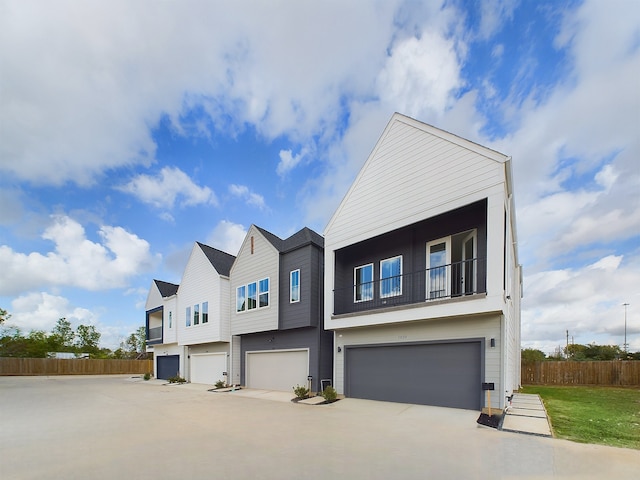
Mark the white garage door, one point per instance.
(277, 370)
(208, 367)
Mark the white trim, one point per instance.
(389, 278)
(291, 286)
(355, 283)
(447, 261)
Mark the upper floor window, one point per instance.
(188, 315)
(252, 296)
(294, 286)
(196, 314)
(170, 319)
(363, 283)
(391, 277)
(264, 293)
(241, 297)
(205, 312)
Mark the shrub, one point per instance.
(330, 394)
(301, 392)
(176, 379)
(147, 376)
(220, 384)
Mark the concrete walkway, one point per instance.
(527, 415)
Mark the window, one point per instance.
(438, 265)
(252, 296)
(240, 298)
(205, 312)
(363, 283)
(294, 286)
(196, 314)
(391, 277)
(188, 316)
(169, 319)
(264, 293)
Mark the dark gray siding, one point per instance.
(318, 341)
(309, 310)
(443, 374)
(410, 242)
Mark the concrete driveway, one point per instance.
(119, 427)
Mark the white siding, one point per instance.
(170, 333)
(486, 327)
(247, 268)
(412, 174)
(154, 298)
(200, 283)
(170, 349)
(234, 378)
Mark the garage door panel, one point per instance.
(167, 366)
(446, 374)
(277, 370)
(208, 368)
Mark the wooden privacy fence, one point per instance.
(57, 366)
(614, 373)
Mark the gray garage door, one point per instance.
(168, 366)
(442, 374)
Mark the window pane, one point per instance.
(391, 277)
(364, 283)
(169, 319)
(205, 312)
(264, 292)
(240, 298)
(251, 296)
(295, 286)
(196, 314)
(188, 316)
(438, 271)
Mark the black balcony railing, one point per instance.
(448, 281)
(154, 335)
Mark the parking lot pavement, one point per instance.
(123, 427)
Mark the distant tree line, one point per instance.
(577, 352)
(85, 339)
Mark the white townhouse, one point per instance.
(422, 281)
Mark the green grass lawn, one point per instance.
(591, 414)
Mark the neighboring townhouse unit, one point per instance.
(195, 341)
(161, 329)
(278, 340)
(422, 278)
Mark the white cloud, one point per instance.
(227, 236)
(251, 198)
(288, 161)
(41, 311)
(76, 260)
(171, 185)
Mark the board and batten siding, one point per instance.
(413, 173)
(200, 283)
(487, 327)
(248, 268)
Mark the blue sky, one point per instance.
(130, 130)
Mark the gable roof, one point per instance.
(166, 289)
(220, 260)
(301, 238)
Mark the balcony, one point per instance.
(443, 282)
(154, 335)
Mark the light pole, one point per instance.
(625, 305)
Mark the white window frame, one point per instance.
(188, 315)
(255, 299)
(382, 279)
(196, 314)
(244, 298)
(292, 286)
(266, 292)
(356, 284)
(447, 280)
(205, 313)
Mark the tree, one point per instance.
(4, 316)
(63, 335)
(87, 339)
(532, 355)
